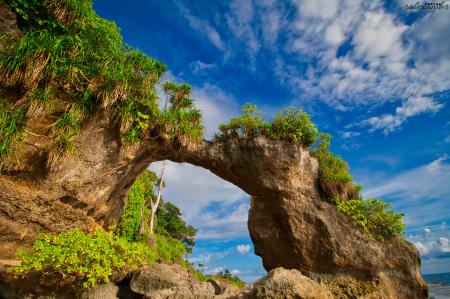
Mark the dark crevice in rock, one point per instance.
(73, 202)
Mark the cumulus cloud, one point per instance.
(243, 248)
(194, 189)
(411, 107)
(376, 66)
(435, 249)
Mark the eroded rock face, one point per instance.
(282, 283)
(289, 223)
(161, 281)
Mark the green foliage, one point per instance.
(170, 223)
(138, 195)
(82, 57)
(291, 124)
(374, 216)
(170, 250)
(249, 124)
(294, 125)
(179, 119)
(93, 258)
(334, 176)
(11, 122)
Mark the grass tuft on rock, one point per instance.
(72, 63)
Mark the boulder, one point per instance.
(282, 283)
(162, 281)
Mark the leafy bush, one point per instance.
(66, 47)
(334, 177)
(291, 124)
(138, 195)
(374, 216)
(169, 223)
(170, 250)
(294, 125)
(11, 121)
(247, 125)
(93, 257)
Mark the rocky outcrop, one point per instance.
(161, 281)
(282, 283)
(290, 224)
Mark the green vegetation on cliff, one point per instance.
(335, 180)
(89, 257)
(374, 216)
(69, 64)
(169, 224)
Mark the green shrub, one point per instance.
(250, 124)
(91, 257)
(374, 216)
(138, 195)
(335, 179)
(11, 122)
(82, 57)
(291, 124)
(170, 250)
(294, 125)
(169, 223)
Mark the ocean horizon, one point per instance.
(439, 284)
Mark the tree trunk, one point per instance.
(158, 199)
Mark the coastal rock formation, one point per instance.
(164, 281)
(282, 283)
(290, 224)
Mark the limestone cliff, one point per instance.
(289, 222)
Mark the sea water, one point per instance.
(439, 285)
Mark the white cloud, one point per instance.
(193, 188)
(240, 22)
(427, 181)
(422, 192)
(349, 134)
(378, 36)
(387, 63)
(435, 249)
(216, 105)
(324, 9)
(243, 248)
(412, 107)
(202, 26)
(334, 35)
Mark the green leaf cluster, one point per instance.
(169, 250)
(90, 257)
(170, 224)
(335, 179)
(374, 216)
(138, 195)
(11, 121)
(291, 124)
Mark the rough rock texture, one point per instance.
(289, 223)
(34, 287)
(163, 281)
(224, 289)
(282, 283)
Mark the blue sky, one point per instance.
(371, 73)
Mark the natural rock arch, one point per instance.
(289, 224)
